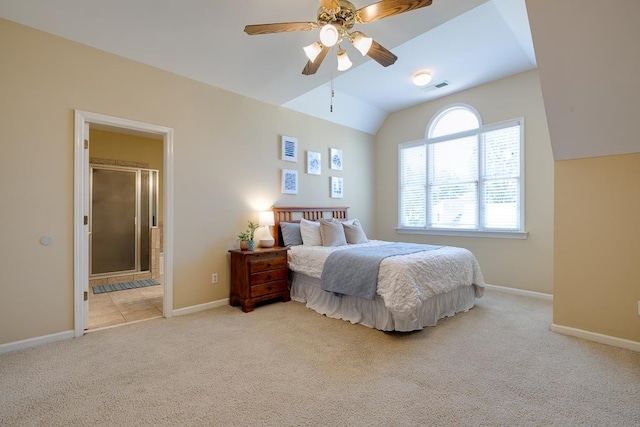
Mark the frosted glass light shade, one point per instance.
(313, 50)
(421, 78)
(361, 42)
(344, 63)
(329, 35)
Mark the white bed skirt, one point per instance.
(373, 313)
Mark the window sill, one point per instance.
(466, 233)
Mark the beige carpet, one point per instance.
(285, 365)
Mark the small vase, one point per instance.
(244, 245)
(251, 245)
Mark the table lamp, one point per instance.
(265, 220)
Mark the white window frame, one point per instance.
(520, 233)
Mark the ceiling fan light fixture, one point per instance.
(329, 35)
(336, 18)
(313, 50)
(421, 78)
(344, 63)
(361, 42)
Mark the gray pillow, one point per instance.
(332, 233)
(290, 233)
(354, 233)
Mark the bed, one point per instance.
(411, 289)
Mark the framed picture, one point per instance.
(313, 163)
(289, 149)
(336, 187)
(289, 181)
(335, 159)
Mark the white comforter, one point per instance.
(404, 281)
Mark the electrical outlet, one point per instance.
(214, 278)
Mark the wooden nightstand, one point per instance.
(257, 276)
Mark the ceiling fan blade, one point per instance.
(330, 4)
(386, 8)
(282, 27)
(381, 55)
(312, 67)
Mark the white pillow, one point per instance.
(354, 233)
(332, 233)
(310, 231)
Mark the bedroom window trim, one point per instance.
(464, 233)
(415, 181)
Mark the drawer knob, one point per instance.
(268, 277)
(269, 288)
(268, 264)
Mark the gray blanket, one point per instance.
(355, 271)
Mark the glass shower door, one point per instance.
(113, 243)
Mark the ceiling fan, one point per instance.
(335, 19)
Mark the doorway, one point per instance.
(125, 228)
(83, 268)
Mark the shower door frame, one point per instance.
(138, 223)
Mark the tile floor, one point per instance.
(115, 308)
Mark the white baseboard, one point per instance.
(578, 333)
(33, 342)
(200, 307)
(60, 336)
(599, 338)
(520, 292)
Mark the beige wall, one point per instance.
(523, 264)
(226, 161)
(227, 165)
(588, 64)
(131, 148)
(597, 249)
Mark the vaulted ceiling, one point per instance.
(462, 42)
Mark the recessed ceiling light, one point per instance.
(421, 78)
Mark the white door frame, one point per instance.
(83, 120)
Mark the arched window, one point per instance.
(453, 120)
(463, 176)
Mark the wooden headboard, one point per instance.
(294, 214)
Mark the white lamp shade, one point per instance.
(265, 219)
(361, 42)
(344, 63)
(329, 35)
(313, 50)
(263, 234)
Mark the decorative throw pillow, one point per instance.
(354, 233)
(291, 233)
(332, 233)
(310, 231)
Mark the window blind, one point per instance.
(469, 181)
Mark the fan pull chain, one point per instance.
(331, 106)
(332, 94)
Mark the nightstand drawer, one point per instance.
(268, 276)
(268, 288)
(269, 262)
